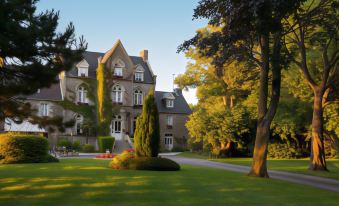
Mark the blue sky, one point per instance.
(157, 25)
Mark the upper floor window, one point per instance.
(170, 120)
(170, 103)
(82, 95)
(117, 94)
(82, 68)
(118, 71)
(44, 109)
(139, 76)
(138, 97)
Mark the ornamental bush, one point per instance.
(282, 151)
(105, 142)
(129, 161)
(88, 148)
(147, 132)
(21, 148)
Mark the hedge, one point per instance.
(105, 142)
(282, 151)
(88, 148)
(21, 148)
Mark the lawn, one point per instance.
(89, 182)
(297, 165)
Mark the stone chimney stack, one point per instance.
(178, 91)
(144, 54)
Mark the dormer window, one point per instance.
(82, 68)
(118, 71)
(169, 103)
(139, 76)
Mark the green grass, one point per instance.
(297, 166)
(89, 182)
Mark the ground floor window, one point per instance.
(168, 140)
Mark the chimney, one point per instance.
(144, 54)
(178, 91)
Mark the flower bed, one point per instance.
(105, 156)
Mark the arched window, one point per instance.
(138, 97)
(117, 94)
(78, 124)
(82, 95)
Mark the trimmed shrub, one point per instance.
(65, 143)
(21, 148)
(129, 161)
(76, 146)
(51, 158)
(153, 163)
(282, 151)
(147, 132)
(88, 148)
(106, 142)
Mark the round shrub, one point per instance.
(65, 143)
(153, 163)
(128, 161)
(105, 142)
(88, 148)
(21, 148)
(76, 146)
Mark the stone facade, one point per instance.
(132, 80)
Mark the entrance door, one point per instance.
(168, 141)
(116, 127)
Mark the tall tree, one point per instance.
(314, 39)
(252, 32)
(32, 54)
(147, 132)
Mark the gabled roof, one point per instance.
(92, 60)
(180, 104)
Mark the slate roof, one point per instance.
(92, 60)
(180, 104)
(52, 93)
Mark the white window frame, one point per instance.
(79, 122)
(83, 72)
(118, 71)
(117, 94)
(170, 103)
(139, 76)
(169, 120)
(82, 95)
(138, 97)
(168, 140)
(44, 109)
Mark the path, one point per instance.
(318, 182)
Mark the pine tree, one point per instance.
(32, 54)
(147, 132)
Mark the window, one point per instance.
(134, 124)
(138, 97)
(168, 139)
(117, 94)
(170, 121)
(139, 76)
(169, 103)
(78, 124)
(82, 95)
(44, 109)
(82, 72)
(116, 126)
(118, 71)
(38, 91)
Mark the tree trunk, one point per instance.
(259, 164)
(318, 161)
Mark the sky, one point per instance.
(159, 26)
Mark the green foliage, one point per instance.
(147, 132)
(23, 47)
(129, 161)
(21, 148)
(88, 148)
(76, 146)
(105, 142)
(51, 158)
(65, 143)
(153, 163)
(282, 151)
(104, 104)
